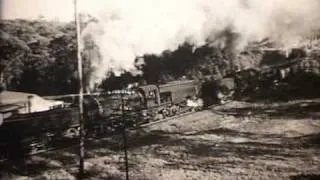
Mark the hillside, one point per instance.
(40, 57)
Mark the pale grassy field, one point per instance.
(203, 145)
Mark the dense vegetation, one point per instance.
(40, 57)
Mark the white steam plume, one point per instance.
(131, 28)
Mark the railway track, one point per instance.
(73, 143)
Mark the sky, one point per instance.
(62, 10)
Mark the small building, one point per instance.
(22, 103)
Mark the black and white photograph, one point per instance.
(159, 89)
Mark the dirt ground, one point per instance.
(264, 142)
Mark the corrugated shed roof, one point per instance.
(13, 97)
(37, 103)
(9, 108)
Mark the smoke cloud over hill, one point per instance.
(127, 29)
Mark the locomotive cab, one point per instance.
(176, 92)
(150, 96)
(168, 99)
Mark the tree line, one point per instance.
(40, 57)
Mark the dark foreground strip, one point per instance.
(74, 143)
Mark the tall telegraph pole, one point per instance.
(81, 119)
(124, 137)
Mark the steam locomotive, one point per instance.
(36, 131)
(143, 104)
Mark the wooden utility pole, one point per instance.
(124, 137)
(81, 119)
